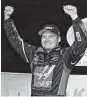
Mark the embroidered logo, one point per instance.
(43, 76)
(78, 36)
(35, 58)
(49, 28)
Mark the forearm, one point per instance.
(79, 32)
(14, 38)
(80, 43)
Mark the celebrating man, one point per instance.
(50, 64)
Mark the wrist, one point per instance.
(6, 17)
(74, 16)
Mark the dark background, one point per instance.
(29, 17)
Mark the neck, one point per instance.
(48, 51)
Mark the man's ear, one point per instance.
(59, 38)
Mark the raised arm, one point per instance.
(77, 50)
(25, 50)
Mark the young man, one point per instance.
(50, 64)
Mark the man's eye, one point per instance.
(51, 36)
(43, 36)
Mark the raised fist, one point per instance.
(71, 11)
(8, 11)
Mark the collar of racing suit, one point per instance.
(42, 57)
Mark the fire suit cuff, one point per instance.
(77, 20)
(7, 21)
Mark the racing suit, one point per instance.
(50, 71)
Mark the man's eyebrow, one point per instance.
(43, 35)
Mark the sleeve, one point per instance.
(25, 50)
(77, 50)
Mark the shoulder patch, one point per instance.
(40, 49)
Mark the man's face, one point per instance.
(49, 40)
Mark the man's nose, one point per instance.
(46, 39)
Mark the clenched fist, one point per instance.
(8, 11)
(71, 11)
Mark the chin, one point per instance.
(48, 48)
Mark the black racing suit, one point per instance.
(50, 71)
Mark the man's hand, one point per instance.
(8, 12)
(71, 11)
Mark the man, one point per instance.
(50, 64)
